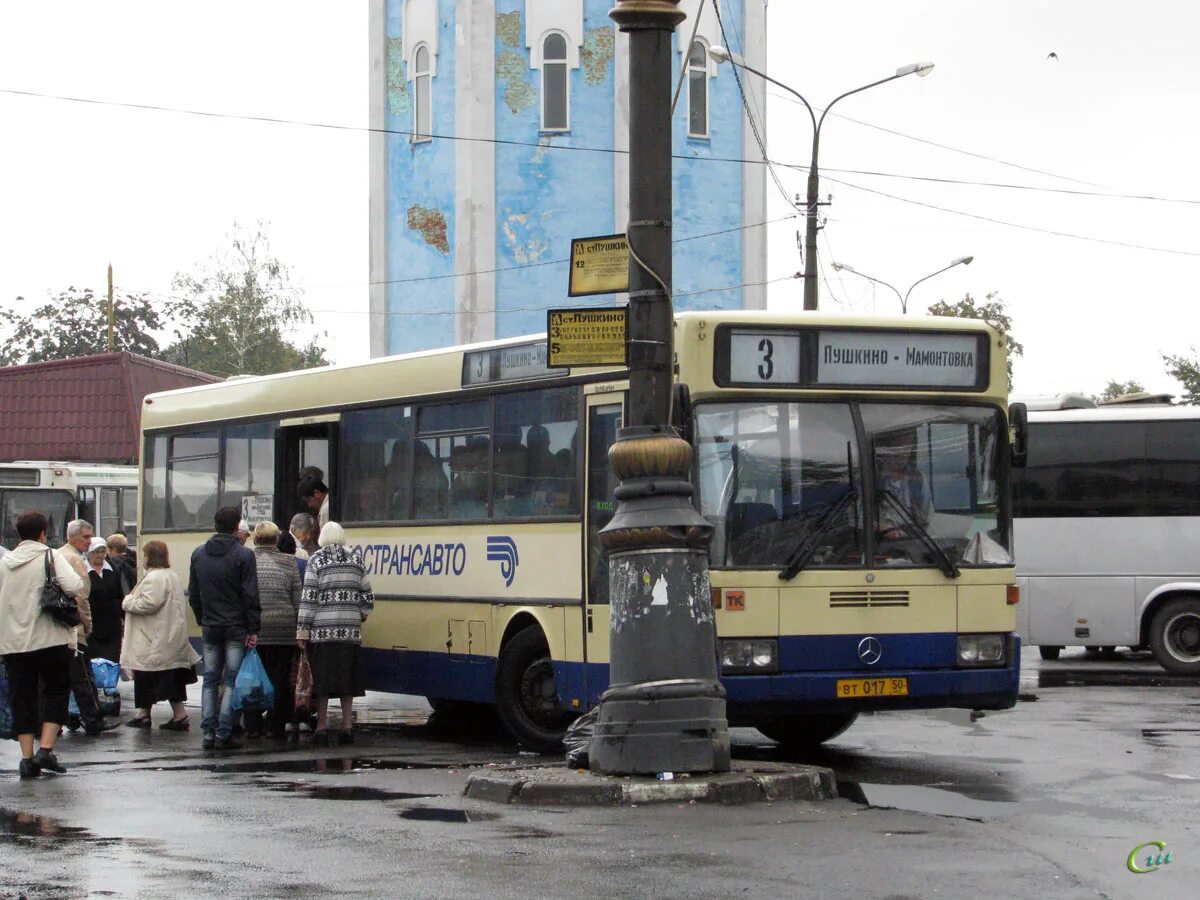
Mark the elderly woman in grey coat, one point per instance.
(279, 596)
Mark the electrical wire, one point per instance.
(679, 156)
(1023, 227)
(762, 145)
(919, 140)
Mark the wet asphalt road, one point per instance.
(1044, 800)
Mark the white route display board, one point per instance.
(911, 359)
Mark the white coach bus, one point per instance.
(1107, 529)
(105, 495)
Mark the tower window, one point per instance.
(422, 96)
(555, 74)
(697, 65)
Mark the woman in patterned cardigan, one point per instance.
(335, 602)
(279, 598)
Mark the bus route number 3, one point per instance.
(767, 367)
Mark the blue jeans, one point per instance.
(224, 647)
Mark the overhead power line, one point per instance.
(1023, 227)
(765, 161)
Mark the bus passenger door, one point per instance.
(300, 443)
(605, 414)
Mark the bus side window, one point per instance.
(110, 512)
(87, 505)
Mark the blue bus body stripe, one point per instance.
(817, 664)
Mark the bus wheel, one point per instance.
(1175, 636)
(1049, 652)
(801, 732)
(526, 698)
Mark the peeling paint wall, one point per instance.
(420, 201)
(544, 196)
(708, 195)
(599, 44)
(399, 99)
(431, 224)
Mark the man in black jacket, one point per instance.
(223, 593)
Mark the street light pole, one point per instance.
(664, 710)
(843, 267)
(812, 202)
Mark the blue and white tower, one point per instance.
(500, 126)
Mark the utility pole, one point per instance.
(112, 315)
(664, 710)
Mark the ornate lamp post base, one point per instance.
(665, 710)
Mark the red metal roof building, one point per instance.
(85, 409)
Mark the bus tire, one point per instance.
(806, 732)
(526, 697)
(1048, 652)
(1175, 636)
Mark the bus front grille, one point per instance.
(867, 599)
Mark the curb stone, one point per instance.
(569, 787)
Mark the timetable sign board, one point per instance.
(897, 359)
(599, 265)
(587, 337)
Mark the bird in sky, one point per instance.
(1052, 55)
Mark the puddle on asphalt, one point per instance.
(21, 826)
(439, 814)
(323, 765)
(1052, 678)
(920, 799)
(339, 792)
(1161, 737)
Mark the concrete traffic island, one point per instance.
(746, 783)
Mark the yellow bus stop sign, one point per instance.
(599, 265)
(586, 337)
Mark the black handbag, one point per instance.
(55, 603)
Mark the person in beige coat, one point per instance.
(36, 648)
(156, 644)
(83, 686)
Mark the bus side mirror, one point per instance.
(1018, 423)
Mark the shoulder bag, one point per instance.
(55, 603)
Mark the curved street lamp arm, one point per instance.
(829, 105)
(765, 77)
(878, 281)
(904, 302)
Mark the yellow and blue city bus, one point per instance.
(855, 471)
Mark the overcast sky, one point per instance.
(154, 192)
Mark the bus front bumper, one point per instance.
(752, 696)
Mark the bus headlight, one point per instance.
(981, 649)
(749, 656)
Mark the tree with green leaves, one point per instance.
(991, 311)
(237, 313)
(1185, 370)
(1116, 389)
(75, 323)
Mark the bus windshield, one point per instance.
(783, 484)
(57, 506)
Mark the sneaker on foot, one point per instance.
(47, 761)
(29, 769)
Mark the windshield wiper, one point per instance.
(808, 545)
(947, 564)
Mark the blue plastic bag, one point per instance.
(106, 674)
(6, 721)
(253, 691)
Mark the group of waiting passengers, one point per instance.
(300, 591)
